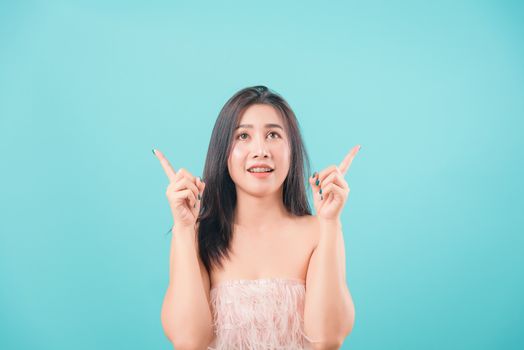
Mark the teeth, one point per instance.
(259, 170)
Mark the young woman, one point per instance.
(250, 266)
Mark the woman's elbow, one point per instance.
(187, 344)
(334, 344)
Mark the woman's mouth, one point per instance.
(260, 173)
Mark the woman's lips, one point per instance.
(261, 175)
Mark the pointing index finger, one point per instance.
(344, 166)
(168, 169)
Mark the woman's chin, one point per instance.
(260, 190)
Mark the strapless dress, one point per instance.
(259, 314)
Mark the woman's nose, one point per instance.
(260, 147)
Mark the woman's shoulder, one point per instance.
(308, 219)
(310, 226)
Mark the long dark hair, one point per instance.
(215, 221)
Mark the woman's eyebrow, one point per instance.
(267, 126)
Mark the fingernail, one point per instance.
(320, 192)
(317, 182)
(199, 196)
(154, 151)
(321, 197)
(314, 174)
(194, 205)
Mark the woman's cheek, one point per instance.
(283, 152)
(237, 159)
(238, 154)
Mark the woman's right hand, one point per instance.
(184, 193)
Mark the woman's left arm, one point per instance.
(329, 312)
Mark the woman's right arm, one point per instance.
(186, 314)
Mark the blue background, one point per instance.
(433, 91)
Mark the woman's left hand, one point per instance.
(330, 189)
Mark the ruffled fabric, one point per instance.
(260, 314)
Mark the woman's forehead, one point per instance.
(258, 116)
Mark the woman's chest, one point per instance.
(282, 253)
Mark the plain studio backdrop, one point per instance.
(433, 91)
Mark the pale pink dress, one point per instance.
(259, 314)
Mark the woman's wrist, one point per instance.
(330, 223)
(184, 232)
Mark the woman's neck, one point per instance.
(259, 213)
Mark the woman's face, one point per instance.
(259, 138)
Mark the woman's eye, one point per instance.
(239, 136)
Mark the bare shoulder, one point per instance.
(310, 226)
